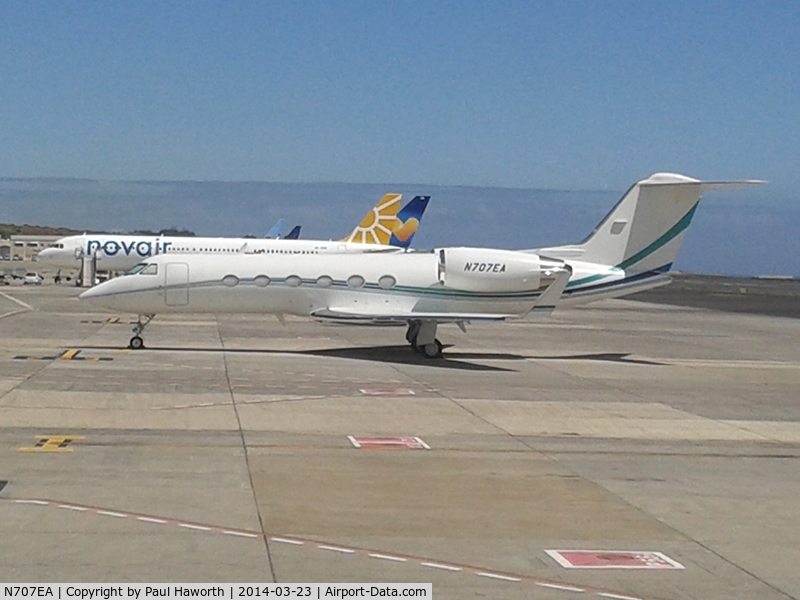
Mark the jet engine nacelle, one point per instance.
(488, 270)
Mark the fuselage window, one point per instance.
(387, 282)
(355, 281)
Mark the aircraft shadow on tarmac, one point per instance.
(387, 354)
(617, 357)
(405, 356)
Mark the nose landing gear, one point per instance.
(137, 342)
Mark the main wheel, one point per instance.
(136, 343)
(433, 350)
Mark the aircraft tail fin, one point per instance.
(645, 229)
(276, 230)
(294, 234)
(376, 227)
(408, 220)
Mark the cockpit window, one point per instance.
(135, 269)
(143, 269)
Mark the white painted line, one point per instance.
(397, 392)
(70, 507)
(617, 596)
(20, 302)
(111, 514)
(240, 533)
(566, 588)
(285, 541)
(385, 557)
(197, 527)
(13, 312)
(151, 520)
(39, 502)
(496, 576)
(335, 549)
(423, 444)
(438, 566)
(354, 441)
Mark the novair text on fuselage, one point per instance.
(141, 248)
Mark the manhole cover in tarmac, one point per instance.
(612, 559)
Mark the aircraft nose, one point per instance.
(92, 293)
(105, 290)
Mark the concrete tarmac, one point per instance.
(221, 453)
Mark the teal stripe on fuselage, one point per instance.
(662, 241)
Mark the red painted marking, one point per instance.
(388, 443)
(612, 559)
(406, 558)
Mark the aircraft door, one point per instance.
(177, 284)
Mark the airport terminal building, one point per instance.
(25, 247)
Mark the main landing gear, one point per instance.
(422, 337)
(136, 342)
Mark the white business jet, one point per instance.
(116, 252)
(631, 249)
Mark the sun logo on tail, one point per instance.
(379, 223)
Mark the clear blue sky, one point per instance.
(571, 94)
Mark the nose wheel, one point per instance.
(137, 342)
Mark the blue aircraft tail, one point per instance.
(408, 221)
(293, 234)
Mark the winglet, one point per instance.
(546, 303)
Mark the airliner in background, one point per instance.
(632, 249)
(377, 232)
(276, 232)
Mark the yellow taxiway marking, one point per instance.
(71, 354)
(53, 443)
